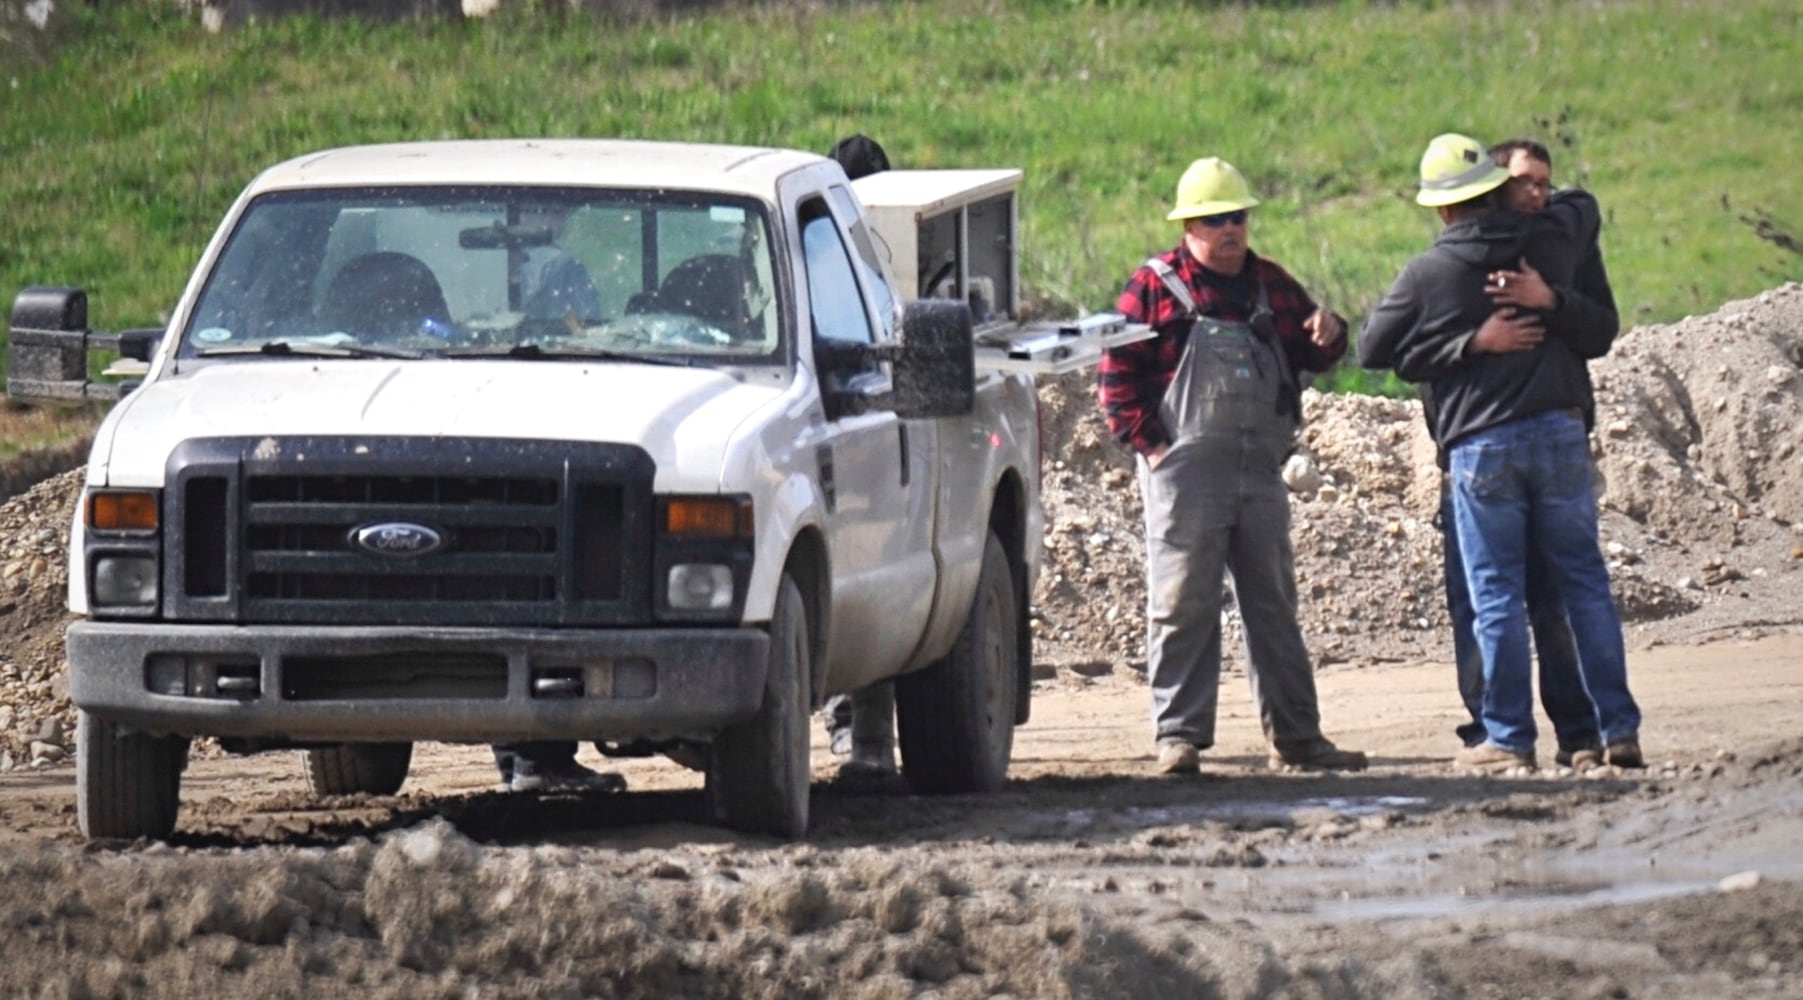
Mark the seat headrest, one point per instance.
(384, 295)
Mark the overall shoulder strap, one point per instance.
(1179, 291)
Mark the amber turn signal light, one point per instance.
(710, 517)
(122, 512)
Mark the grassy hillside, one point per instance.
(122, 149)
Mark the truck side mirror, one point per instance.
(47, 351)
(935, 368)
(48, 344)
(139, 345)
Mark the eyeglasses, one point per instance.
(1224, 218)
(1526, 183)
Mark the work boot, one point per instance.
(1626, 753)
(1579, 759)
(870, 760)
(1178, 757)
(1318, 754)
(871, 730)
(840, 741)
(1487, 756)
(838, 716)
(563, 777)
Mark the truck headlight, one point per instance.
(700, 587)
(125, 579)
(702, 556)
(123, 550)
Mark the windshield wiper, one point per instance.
(538, 352)
(307, 349)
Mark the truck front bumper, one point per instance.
(373, 684)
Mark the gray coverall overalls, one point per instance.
(1218, 502)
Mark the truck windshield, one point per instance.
(466, 271)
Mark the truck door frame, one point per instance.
(875, 470)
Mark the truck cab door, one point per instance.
(875, 470)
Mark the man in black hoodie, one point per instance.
(1507, 391)
(1580, 745)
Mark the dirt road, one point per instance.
(1086, 877)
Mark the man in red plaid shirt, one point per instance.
(1212, 405)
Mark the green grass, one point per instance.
(123, 147)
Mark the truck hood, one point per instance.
(684, 417)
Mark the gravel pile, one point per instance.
(37, 723)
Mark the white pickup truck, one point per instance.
(651, 444)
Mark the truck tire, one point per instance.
(127, 785)
(956, 717)
(757, 773)
(352, 768)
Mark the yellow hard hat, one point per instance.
(1209, 187)
(1456, 168)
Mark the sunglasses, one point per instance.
(1224, 218)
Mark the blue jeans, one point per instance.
(1561, 688)
(1523, 489)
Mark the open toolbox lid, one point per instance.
(1055, 347)
(953, 234)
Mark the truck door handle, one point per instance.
(901, 432)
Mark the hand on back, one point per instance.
(1508, 330)
(1524, 288)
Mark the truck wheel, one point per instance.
(127, 785)
(351, 768)
(757, 774)
(956, 717)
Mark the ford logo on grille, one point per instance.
(401, 539)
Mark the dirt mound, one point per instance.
(425, 912)
(37, 722)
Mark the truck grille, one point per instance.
(409, 531)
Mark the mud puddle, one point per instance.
(1641, 856)
(1270, 811)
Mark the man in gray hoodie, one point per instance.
(1508, 391)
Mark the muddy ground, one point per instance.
(1088, 876)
